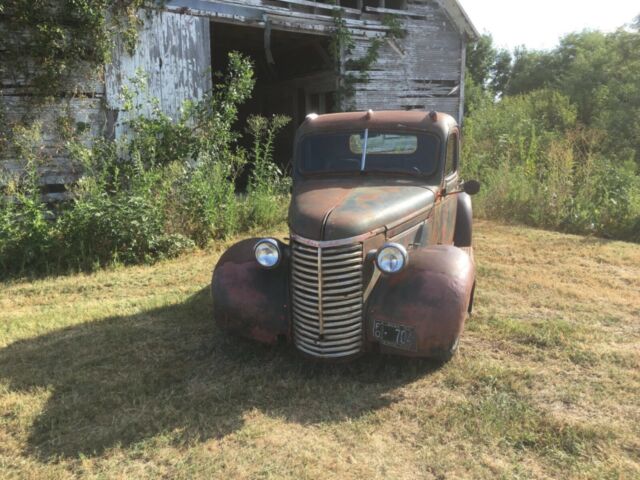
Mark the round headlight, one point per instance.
(267, 253)
(391, 258)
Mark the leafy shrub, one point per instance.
(540, 167)
(202, 202)
(608, 202)
(120, 228)
(27, 237)
(169, 186)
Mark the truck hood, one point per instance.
(337, 208)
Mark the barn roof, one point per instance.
(460, 18)
(253, 12)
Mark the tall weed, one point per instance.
(540, 167)
(27, 236)
(268, 187)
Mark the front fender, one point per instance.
(249, 300)
(430, 297)
(463, 232)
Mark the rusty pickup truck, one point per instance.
(379, 256)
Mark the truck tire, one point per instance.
(448, 355)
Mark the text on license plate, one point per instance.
(398, 336)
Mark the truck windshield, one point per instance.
(369, 151)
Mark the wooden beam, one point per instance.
(226, 9)
(402, 13)
(283, 18)
(321, 6)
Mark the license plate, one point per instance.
(398, 336)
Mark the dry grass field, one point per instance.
(122, 374)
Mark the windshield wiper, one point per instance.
(363, 162)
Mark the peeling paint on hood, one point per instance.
(337, 208)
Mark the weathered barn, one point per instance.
(290, 43)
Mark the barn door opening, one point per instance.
(294, 75)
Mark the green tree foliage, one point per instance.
(487, 66)
(481, 56)
(501, 71)
(487, 73)
(531, 70)
(599, 73)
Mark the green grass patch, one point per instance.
(507, 420)
(544, 334)
(123, 374)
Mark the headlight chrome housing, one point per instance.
(267, 253)
(392, 258)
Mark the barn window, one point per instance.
(350, 3)
(371, 3)
(294, 75)
(395, 4)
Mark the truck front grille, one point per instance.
(327, 299)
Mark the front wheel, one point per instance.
(448, 354)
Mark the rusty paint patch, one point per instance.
(249, 300)
(354, 206)
(431, 296)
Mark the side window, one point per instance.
(451, 164)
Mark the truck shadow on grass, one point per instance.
(169, 372)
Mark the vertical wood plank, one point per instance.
(173, 52)
(463, 61)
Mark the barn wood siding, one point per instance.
(80, 99)
(421, 71)
(174, 52)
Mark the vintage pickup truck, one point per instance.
(379, 257)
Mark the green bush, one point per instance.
(27, 237)
(109, 228)
(608, 200)
(203, 204)
(169, 186)
(538, 166)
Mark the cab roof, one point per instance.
(395, 120)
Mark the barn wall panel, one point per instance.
(421, 71)
(173, 52)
